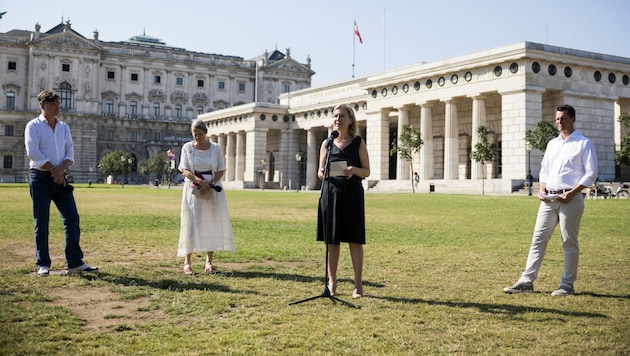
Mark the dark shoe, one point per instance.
(520, 287)
(83, 268)
(43, 271)
(563, 292)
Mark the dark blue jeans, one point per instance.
(43, 191)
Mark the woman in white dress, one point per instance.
(205, 221)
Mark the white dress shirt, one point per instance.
(569, 162)
(45, 145)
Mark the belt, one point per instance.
(33, 170)
(562, 191)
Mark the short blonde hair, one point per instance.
(352, 128)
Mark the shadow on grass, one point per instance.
(493, 308)
(294, 277)
(164, 284)
(597, 295)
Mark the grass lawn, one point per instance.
(435, 266)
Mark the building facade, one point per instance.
(139, 96)
(507, 90)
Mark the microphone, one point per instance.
(333, 136)
(216, 188)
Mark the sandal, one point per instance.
(188, 270)
(210, 269)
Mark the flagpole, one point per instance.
(354, 40)
(384, 48)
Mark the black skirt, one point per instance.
(344, 219)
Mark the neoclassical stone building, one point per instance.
(138, 95)
(506, 89)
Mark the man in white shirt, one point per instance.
(569, 165)
(50, 149)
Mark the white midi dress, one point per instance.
(205, 220)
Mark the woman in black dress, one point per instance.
(344, 191)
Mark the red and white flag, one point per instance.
(356, 31)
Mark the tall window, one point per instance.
(199, 110)
(8, 162)
(179, 81)
(65, 94)
(133, 136)
(10, 100)
(157, 79)
(287, 88)
(12, 65)
(65, 67)
(133, 108)
(110, 135)
(134, 77)
(156, 109)
(109, 106)
(9, 130)
(200, 83)
(156, 136)
(241, 87)
(178, 111)
(221, 85)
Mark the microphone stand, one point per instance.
(327, 228)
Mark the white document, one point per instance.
(337, 167)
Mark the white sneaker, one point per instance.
(82, 268)
(43, 271)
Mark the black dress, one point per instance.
(347, 208)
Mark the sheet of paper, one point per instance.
(337, 167)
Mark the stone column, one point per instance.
(256, 152)
(451, 141)
(312, 158)
(426, 132)
(286, 158)
(222, 141)
(402, 166)
(377, 142)
(520, 110)
(478, 119)
(230, 155)
(239, 168)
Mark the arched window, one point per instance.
(65, 95)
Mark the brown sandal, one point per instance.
(210, 269)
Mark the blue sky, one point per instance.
(395, 32)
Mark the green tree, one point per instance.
(116, 163)
(484, 152)
(406, 146)
(540, 136)
(623, 155)
(155, 164)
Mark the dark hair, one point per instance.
(200, 125)
(568, 108)
(47, 96)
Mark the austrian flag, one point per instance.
(356, 31)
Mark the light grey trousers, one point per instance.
(569, 216)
